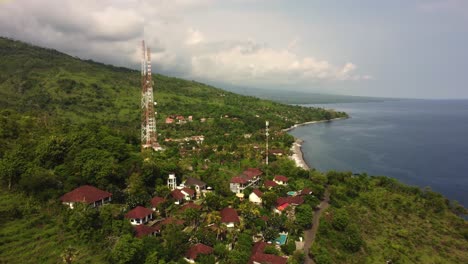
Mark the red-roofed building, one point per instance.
(256, 196)
(181, 195)
(139, 215)
(270, 184)
(249, 177)
(193, 252)
(281, 180)
(170, 220)
(144, 230)
(156, 201)
(283, 202)
(190, 205)
(258, 257)
(86, 194)
(229, 217)
(293, 200)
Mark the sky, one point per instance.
(398, 48)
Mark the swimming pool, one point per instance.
(281, 240)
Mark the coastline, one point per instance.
(312, 122)
(296, 149)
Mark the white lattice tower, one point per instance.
(148, 119)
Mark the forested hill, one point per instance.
(48, 83)
(66, 122)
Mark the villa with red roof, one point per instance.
(259, 257)
(156, 201)
(281, 180)
(181, 195)
(256, 196)
(270, 184)
(139, 215)
(198, 249)
(229, 217)
(86, 194)
(249, 177)
(190, 205)
(283, 202)
(144, 230)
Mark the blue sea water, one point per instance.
(419, 142)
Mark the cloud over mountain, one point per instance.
(110, 31)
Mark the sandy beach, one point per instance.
(298, 155)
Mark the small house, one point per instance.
(229, 217)
(270, 184)
(256, 196)
(139, 215)
(199, 185)
(156, 201)
(281, 180)
(144, 230)
(181, 195)
(169, 120)
(258, 255)
(86, 194)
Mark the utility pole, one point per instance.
(267, 134)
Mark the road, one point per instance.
(309, 235)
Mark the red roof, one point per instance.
(177, 194)
(157, 201)
(281, 178)
(190, 205)
(258, 192)
(138, 212)
(270, 184)
(189, 191)
(144, 230)
(296, 200)
(259, 256)
(306, 191)
(238, 180)
(267, 259)
(171, 220)
(229, 215)
(282, 207)
(194, 251)
(86, 194)
(252, 173)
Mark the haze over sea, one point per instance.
(419, 142)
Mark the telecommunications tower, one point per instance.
(148, 117)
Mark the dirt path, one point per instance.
(309, 235)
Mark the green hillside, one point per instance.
(65, 122)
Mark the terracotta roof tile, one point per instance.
(229, 215)
(86, 193)
(270, 184)
(258, 192)
(177, 194)
(239, 180)
(157, 201)
(194, 251)
(190, 205)
(281, 178)
(295, 200)
(138, 212)
(144, 230)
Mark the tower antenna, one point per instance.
(148, 117)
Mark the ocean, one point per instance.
(419, 142)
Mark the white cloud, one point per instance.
(110, 31)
